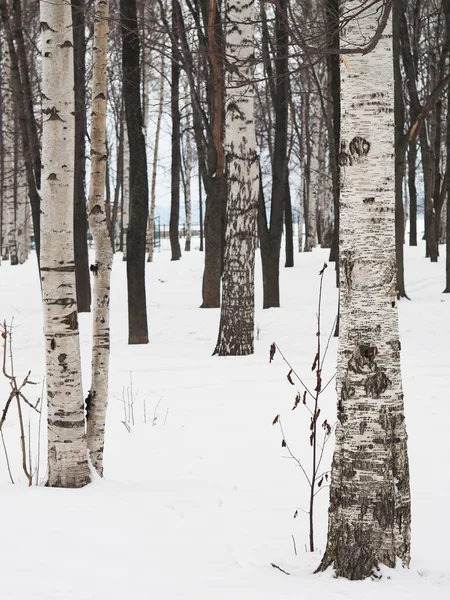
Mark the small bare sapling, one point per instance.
(320, 429)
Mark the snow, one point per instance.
(198, 501)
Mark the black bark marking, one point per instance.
(369, 200)
(66, 424)
(71, 321)
(359, 148)
(96, 210)
(52, 344)
(376, 384)
(62, 360)
(384, 510)
(52, 114)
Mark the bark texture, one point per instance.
(236, 330)
(98, 394)
(80, 216)
(369, 515)
(137, 228)
(67, 449)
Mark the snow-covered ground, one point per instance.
(199, 496)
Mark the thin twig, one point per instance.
(291, 454)
(279, 568)
(293, 370)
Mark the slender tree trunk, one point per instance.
(288, 226)
(187, 194)
(80, 216)
(67, 449)
(236, 330)
(9, 229)
(176, 143)
(412, 191)
(23, 96)
(270, 239)
(446, 5)
(326, 193)
(334, 78)
(155, 155)
(137, 229)
(300, 222)
(313, 136)
(98, 394)
(215, 182)
(400, 154)
(115, 238)
(200, 210)
(369, 514)
(125, 203)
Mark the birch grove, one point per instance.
(369, 514)
(236, 330)
(98, 394)
(67, 448)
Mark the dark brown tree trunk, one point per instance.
(216, 194)
(288, 229)
(437, 196)
(80, 228)
(200, 210)
(137, 228)
(215, 182)
(400, 154)
(176, 140)
(412, 190)
(271, 238)
(415, 112)
(270, 260)
(334, 78)
(118, 193)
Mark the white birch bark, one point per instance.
(67, 449)
(314, 185)
(300, 218)
(98, 394)
(326, 192)
(9, 224)
(369, 515)
(151, 225)
(236, 331)
(22, 212)
(125, 188)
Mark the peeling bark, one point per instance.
(369, 514)
(236, 331)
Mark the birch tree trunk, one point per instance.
(300, 219)
(314, 185)
(67, 449)
(98, 394)
(151, 226)
(236, 330)
(369, 514)
(9, 228)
